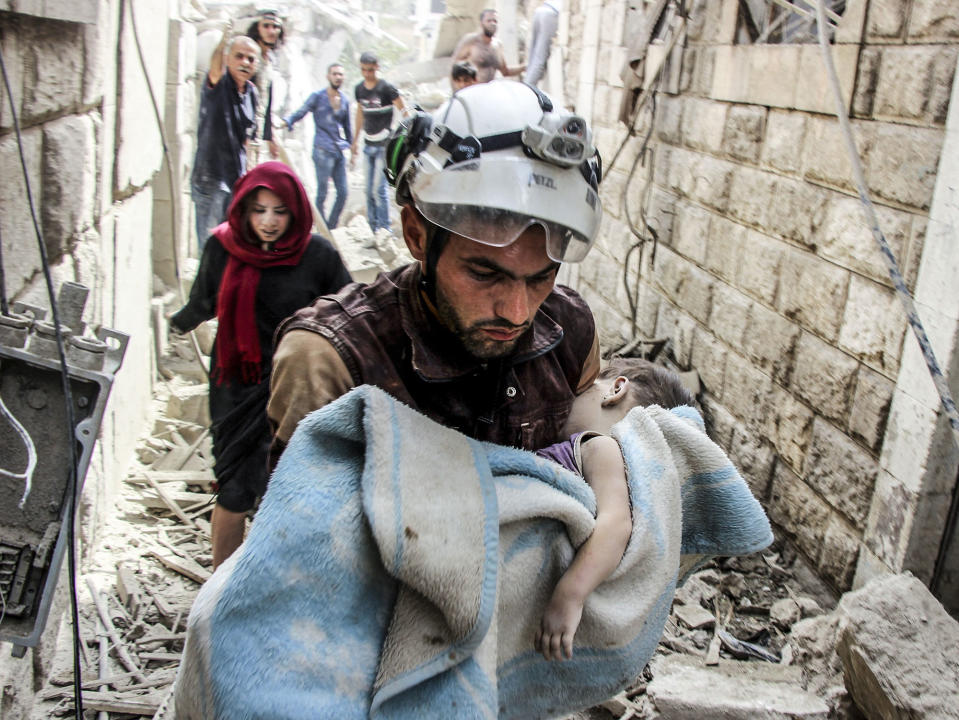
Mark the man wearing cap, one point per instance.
(475, 333)
(375, 100)
(267, 32)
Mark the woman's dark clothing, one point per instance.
(241, 435)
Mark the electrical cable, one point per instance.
(4, 307)
(938, 379)
(174, 194)
(26, 475)
(72, 490)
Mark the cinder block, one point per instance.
(21, 256)
(708, 357)
(823, 377)
(874, 325)
(729, 315)
(751, 194)
(886, 20)
(915, 83)
(746, 390)
(784, 138)
(743, 134)
(890, 521)
(50, 48)
(760, 266)
(841, 471)
(788, 426)
(69, 178)
(703, 124)
(902, 165)
(840, 552)
(724, 247)
(813, 293)
(798, 510)
(933, 20)
(870, 407)
(845, 238)
(770, 342)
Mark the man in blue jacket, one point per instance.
(331, 118)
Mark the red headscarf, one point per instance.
(237, 340)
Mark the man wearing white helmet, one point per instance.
(497, 189)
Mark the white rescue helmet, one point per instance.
(496, 159)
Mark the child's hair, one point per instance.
(649, 384)
(463, 70)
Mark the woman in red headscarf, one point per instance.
(259, 267)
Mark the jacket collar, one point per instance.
(437, 354)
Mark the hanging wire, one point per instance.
(26, 475)
(72, 490)
(935, 372)
(4, 307)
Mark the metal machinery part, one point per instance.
(34, 505)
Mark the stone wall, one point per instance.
(767, 279)
(92, 152)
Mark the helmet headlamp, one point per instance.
(560, 138)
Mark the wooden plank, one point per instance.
(170, 502)
(124, 656)
(160, 656)
(143, 705)
(180, 497)
(184, 566)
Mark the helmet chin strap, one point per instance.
(436, 239)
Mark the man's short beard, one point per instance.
(471, 340)
(489, 33)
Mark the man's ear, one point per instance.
(617, 392)
(414, 232)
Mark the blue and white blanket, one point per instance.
(398, 569)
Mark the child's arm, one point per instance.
(598, 556)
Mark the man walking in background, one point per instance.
(331, 119)
(545, 24)
(485, 51)
(375, 100)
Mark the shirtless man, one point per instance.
(484, 51)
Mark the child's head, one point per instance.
(463, 74)
(623, 384)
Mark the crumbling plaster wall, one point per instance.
(93, 153)
(767, 279)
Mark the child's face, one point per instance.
(600, 407)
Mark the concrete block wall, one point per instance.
(92, 152)
(767, 279)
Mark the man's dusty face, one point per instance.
(269, 30)
(489, 23)
(242, 59)
(488, 296)
(335, 77)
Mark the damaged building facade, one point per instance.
(766, 279)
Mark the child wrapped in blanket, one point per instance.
(625, 383)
